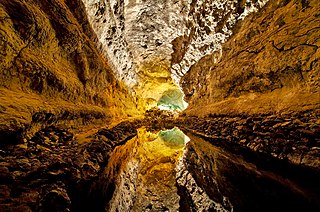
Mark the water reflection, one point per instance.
(169, 171)
(239, 182)
(150, 168)
(174, 137)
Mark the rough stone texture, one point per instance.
(294, 137)
(149, 42)
(208, 25)
(150, 26)
(51, 71)
(107, 19)
(271, 63)
(53, 172)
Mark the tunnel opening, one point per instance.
(172, 100)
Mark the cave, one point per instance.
(159, 105)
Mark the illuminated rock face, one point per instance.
(208, 25)
(160, 41)
(51, 71)
(107, 19)
(270, 65)
(152, 44)
(180, 32)
(172, 100)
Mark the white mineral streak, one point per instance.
(151, 25)
(205, 43)
(252, 8)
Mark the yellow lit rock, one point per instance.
(155, 80)
(148, 161)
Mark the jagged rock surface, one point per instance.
(294, 137)
(271, 63)
(150, 42)
(53, 172)
(107, 20)
(208, 25)
(51, 71)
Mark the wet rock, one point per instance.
(311, 158)
(54, 172)
(13, 208)
(89, 170)
(18, 174)
(283, 124)
(271, 134)
(23, 163)
(29, 198)
(75, 175)
(109, 134)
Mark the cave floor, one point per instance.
(216, 163)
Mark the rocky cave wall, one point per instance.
(273, 49)
(152, 44)
(107, 20)
(51, 71)
(270, 64)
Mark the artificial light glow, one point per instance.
(174, 136)
(172, 100)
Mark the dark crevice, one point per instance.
(308, 31)
(281, 49)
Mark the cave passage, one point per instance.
(172, 100)
(93, 111)
(171, 171)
